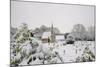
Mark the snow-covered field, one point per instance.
(37, 52)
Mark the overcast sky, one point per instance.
(62, 16)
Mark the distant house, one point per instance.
(48, 36)
(60, 37)
(51, 37)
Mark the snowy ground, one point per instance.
(50, 53)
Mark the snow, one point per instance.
(53, 52)
(46, 35)
(24, 62)
(37, 61)
(60, 37)
(27, 49)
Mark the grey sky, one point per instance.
(62, 16)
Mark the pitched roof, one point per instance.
(46, 34)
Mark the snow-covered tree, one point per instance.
(91, 33)
(27, 50)
(79, 32)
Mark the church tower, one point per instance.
(52, 34)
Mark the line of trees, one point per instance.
(80, 33)
(44, 28)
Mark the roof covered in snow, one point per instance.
(46, 34)
(60, 37)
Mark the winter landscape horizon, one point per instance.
(45, 33)
(61, 16)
